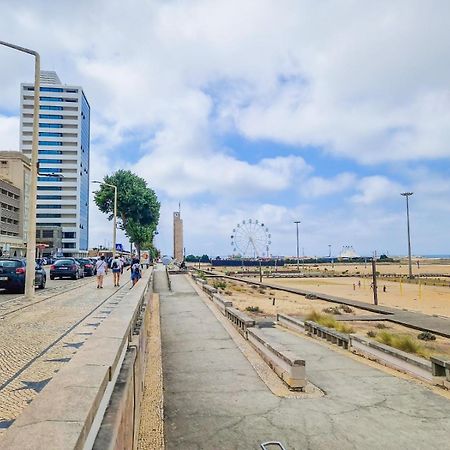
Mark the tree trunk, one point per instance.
(137, 245)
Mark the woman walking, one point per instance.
(102, 269)
(115, 266)
(135, 271)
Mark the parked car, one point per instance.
(88, 267)
(66, 268)
(12, 274)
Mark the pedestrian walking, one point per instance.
(135, 271)
(354, 286)
(122, 264)
(384, 288)
(101, 269)
(359, 283)
(115, 266)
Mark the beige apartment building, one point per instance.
(178, 253)
(15, 174)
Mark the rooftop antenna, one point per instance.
(179, 208)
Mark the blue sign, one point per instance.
(119, 247)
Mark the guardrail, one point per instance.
(331, 335)
(68, 413)
(241, 320)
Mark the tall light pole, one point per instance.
(115, 213)
(406, 195)
(31, 233)
(298, 248)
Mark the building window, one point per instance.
(49, 134)
(49, 178)
(49, 197)
(48, 89)
(48, 216)
(56, 143)
(49, 188)
(69, 245)
(50, 125)
(47, 234)
(51, 108)
(50, 161)
(50, 170)
(50, 152)
(48, 206)
(69, 235)
(49, 116)
(51, 99)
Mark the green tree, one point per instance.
(137, 205)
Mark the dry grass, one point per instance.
(329, 321)
(401, 342)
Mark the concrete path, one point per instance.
(411, 319)
(215, 400)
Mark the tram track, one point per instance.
(28, 305)
(61, 336)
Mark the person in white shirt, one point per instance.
(102, 269)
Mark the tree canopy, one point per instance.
(137, 205)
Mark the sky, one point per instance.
(321, 111)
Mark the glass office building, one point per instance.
(63, 180)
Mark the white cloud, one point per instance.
(364, 81)
(375, 189)
(9, 133)
(319, 186)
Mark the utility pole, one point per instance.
(374, 281)
(407, 195)
(329, 250)
(260, 272)
(31, 232)
(298, 248)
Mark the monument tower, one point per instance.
(178, 236)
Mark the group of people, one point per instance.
(117, 265)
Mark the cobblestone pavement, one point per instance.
(37, 338)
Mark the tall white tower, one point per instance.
(64, 144)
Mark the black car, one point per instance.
(88, 267)
(66, 268)
(12, 274)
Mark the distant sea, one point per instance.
(435, 256)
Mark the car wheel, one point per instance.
(52, 277)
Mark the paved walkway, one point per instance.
(215, 400)
(411, 319)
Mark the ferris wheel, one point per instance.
(251, 239)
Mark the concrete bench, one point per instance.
(440, 369)
(331, 335)
(393, 357)
(221, 303)
(292, 323)
(288, 366)
(241, 320)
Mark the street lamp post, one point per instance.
(298, 252)
(406, 195)
(31, 233)
(115, 213)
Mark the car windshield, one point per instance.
(84, 261)
(64, 262)
(6, 263)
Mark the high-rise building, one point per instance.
(178, 253)
(63, 180)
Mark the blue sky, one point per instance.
(276, 110)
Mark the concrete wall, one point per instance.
(105, 375)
